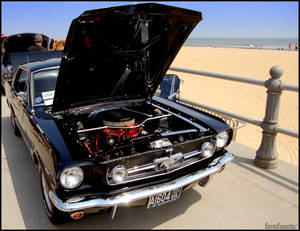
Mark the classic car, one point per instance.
(98, 135)
(14, 52)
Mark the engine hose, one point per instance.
(87, 146)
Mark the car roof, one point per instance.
(37, 65)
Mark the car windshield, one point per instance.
(44, 86)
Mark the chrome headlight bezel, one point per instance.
(222, 139)
(71, 178)
(118, 173)
(207, 149)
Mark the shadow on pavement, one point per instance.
(268, 174)
(26, 185)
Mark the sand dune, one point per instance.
(241, 98)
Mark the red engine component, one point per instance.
(130, 132)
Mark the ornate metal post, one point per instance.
(266, 155)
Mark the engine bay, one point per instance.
(119, 131)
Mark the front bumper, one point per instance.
(143, 193)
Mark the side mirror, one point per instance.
(21, 96)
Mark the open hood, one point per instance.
(120, 53)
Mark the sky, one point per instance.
(220, 19)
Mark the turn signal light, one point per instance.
(221, 169)
(77, 215)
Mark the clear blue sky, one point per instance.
(220, 19)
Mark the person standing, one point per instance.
(290, 44)
(38, 41)
(296, 46)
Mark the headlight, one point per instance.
(119, 173)
(207, 149)
(71, 177)
(222, 139)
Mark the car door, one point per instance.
(23, 108)
(19, 87)
(29, 119)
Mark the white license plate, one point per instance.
(163, 198)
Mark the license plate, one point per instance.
(163, 198)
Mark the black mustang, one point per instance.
(96, 133)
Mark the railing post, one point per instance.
(234, 128)
(266, 155)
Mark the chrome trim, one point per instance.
(178, 132)
(191, 154)
(139, 194)
(201, 128)
(168, 162)
(147, 175)
(152, 166)
(141, 168)
(118, 127)
(113, 211)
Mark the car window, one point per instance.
(44, 86)
(21, 82)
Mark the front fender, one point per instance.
(52, 149)
(207, 120)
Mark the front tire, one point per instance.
(2, 90)
(13, 123)
(55, 216)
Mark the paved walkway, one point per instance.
(243, 196)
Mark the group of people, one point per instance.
(296, 46)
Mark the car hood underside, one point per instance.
(120, 52)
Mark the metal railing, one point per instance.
(266, 155)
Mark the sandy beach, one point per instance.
(245, 99)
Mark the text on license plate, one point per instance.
(163, 198)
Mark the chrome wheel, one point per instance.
(56, 216)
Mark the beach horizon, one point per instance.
(240, 98)
(245, 43)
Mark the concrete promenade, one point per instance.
(243, 196)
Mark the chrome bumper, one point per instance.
(139, 194)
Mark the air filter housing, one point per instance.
(116, 118)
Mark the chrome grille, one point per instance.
(152, 170)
